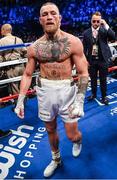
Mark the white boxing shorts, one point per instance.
(54, 98)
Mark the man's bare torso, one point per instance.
(54, 57)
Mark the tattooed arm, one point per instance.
(82, 69)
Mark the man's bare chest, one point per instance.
(53, 51)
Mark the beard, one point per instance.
(51, 29)
(96, 26)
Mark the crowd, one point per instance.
(76, 15)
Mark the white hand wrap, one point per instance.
(77, 109)
(19, 109)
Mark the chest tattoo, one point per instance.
(53, 50)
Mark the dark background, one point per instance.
(23, 15)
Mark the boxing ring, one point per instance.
(26, 152)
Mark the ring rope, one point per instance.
(113, 44)
(14, 46)
(15, 96)
(13, 62)
(114, 68)
(18, 78)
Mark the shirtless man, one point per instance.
(56, 52)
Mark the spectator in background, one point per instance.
(97, 51)
(12, 54)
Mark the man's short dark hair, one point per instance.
(97, 13)
(49, 3)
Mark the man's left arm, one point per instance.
(82, 68)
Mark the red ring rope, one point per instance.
(15, 96)
(112, 68)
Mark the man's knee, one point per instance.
(51, 127)
(70, 136)
(50, 130)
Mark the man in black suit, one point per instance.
(97, 51)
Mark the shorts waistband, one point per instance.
(46, 82)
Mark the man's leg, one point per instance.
(54, 143)
(103, 72)
(75, 136)
(52, 135)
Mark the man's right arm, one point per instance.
(25, 83)
(27, 76)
